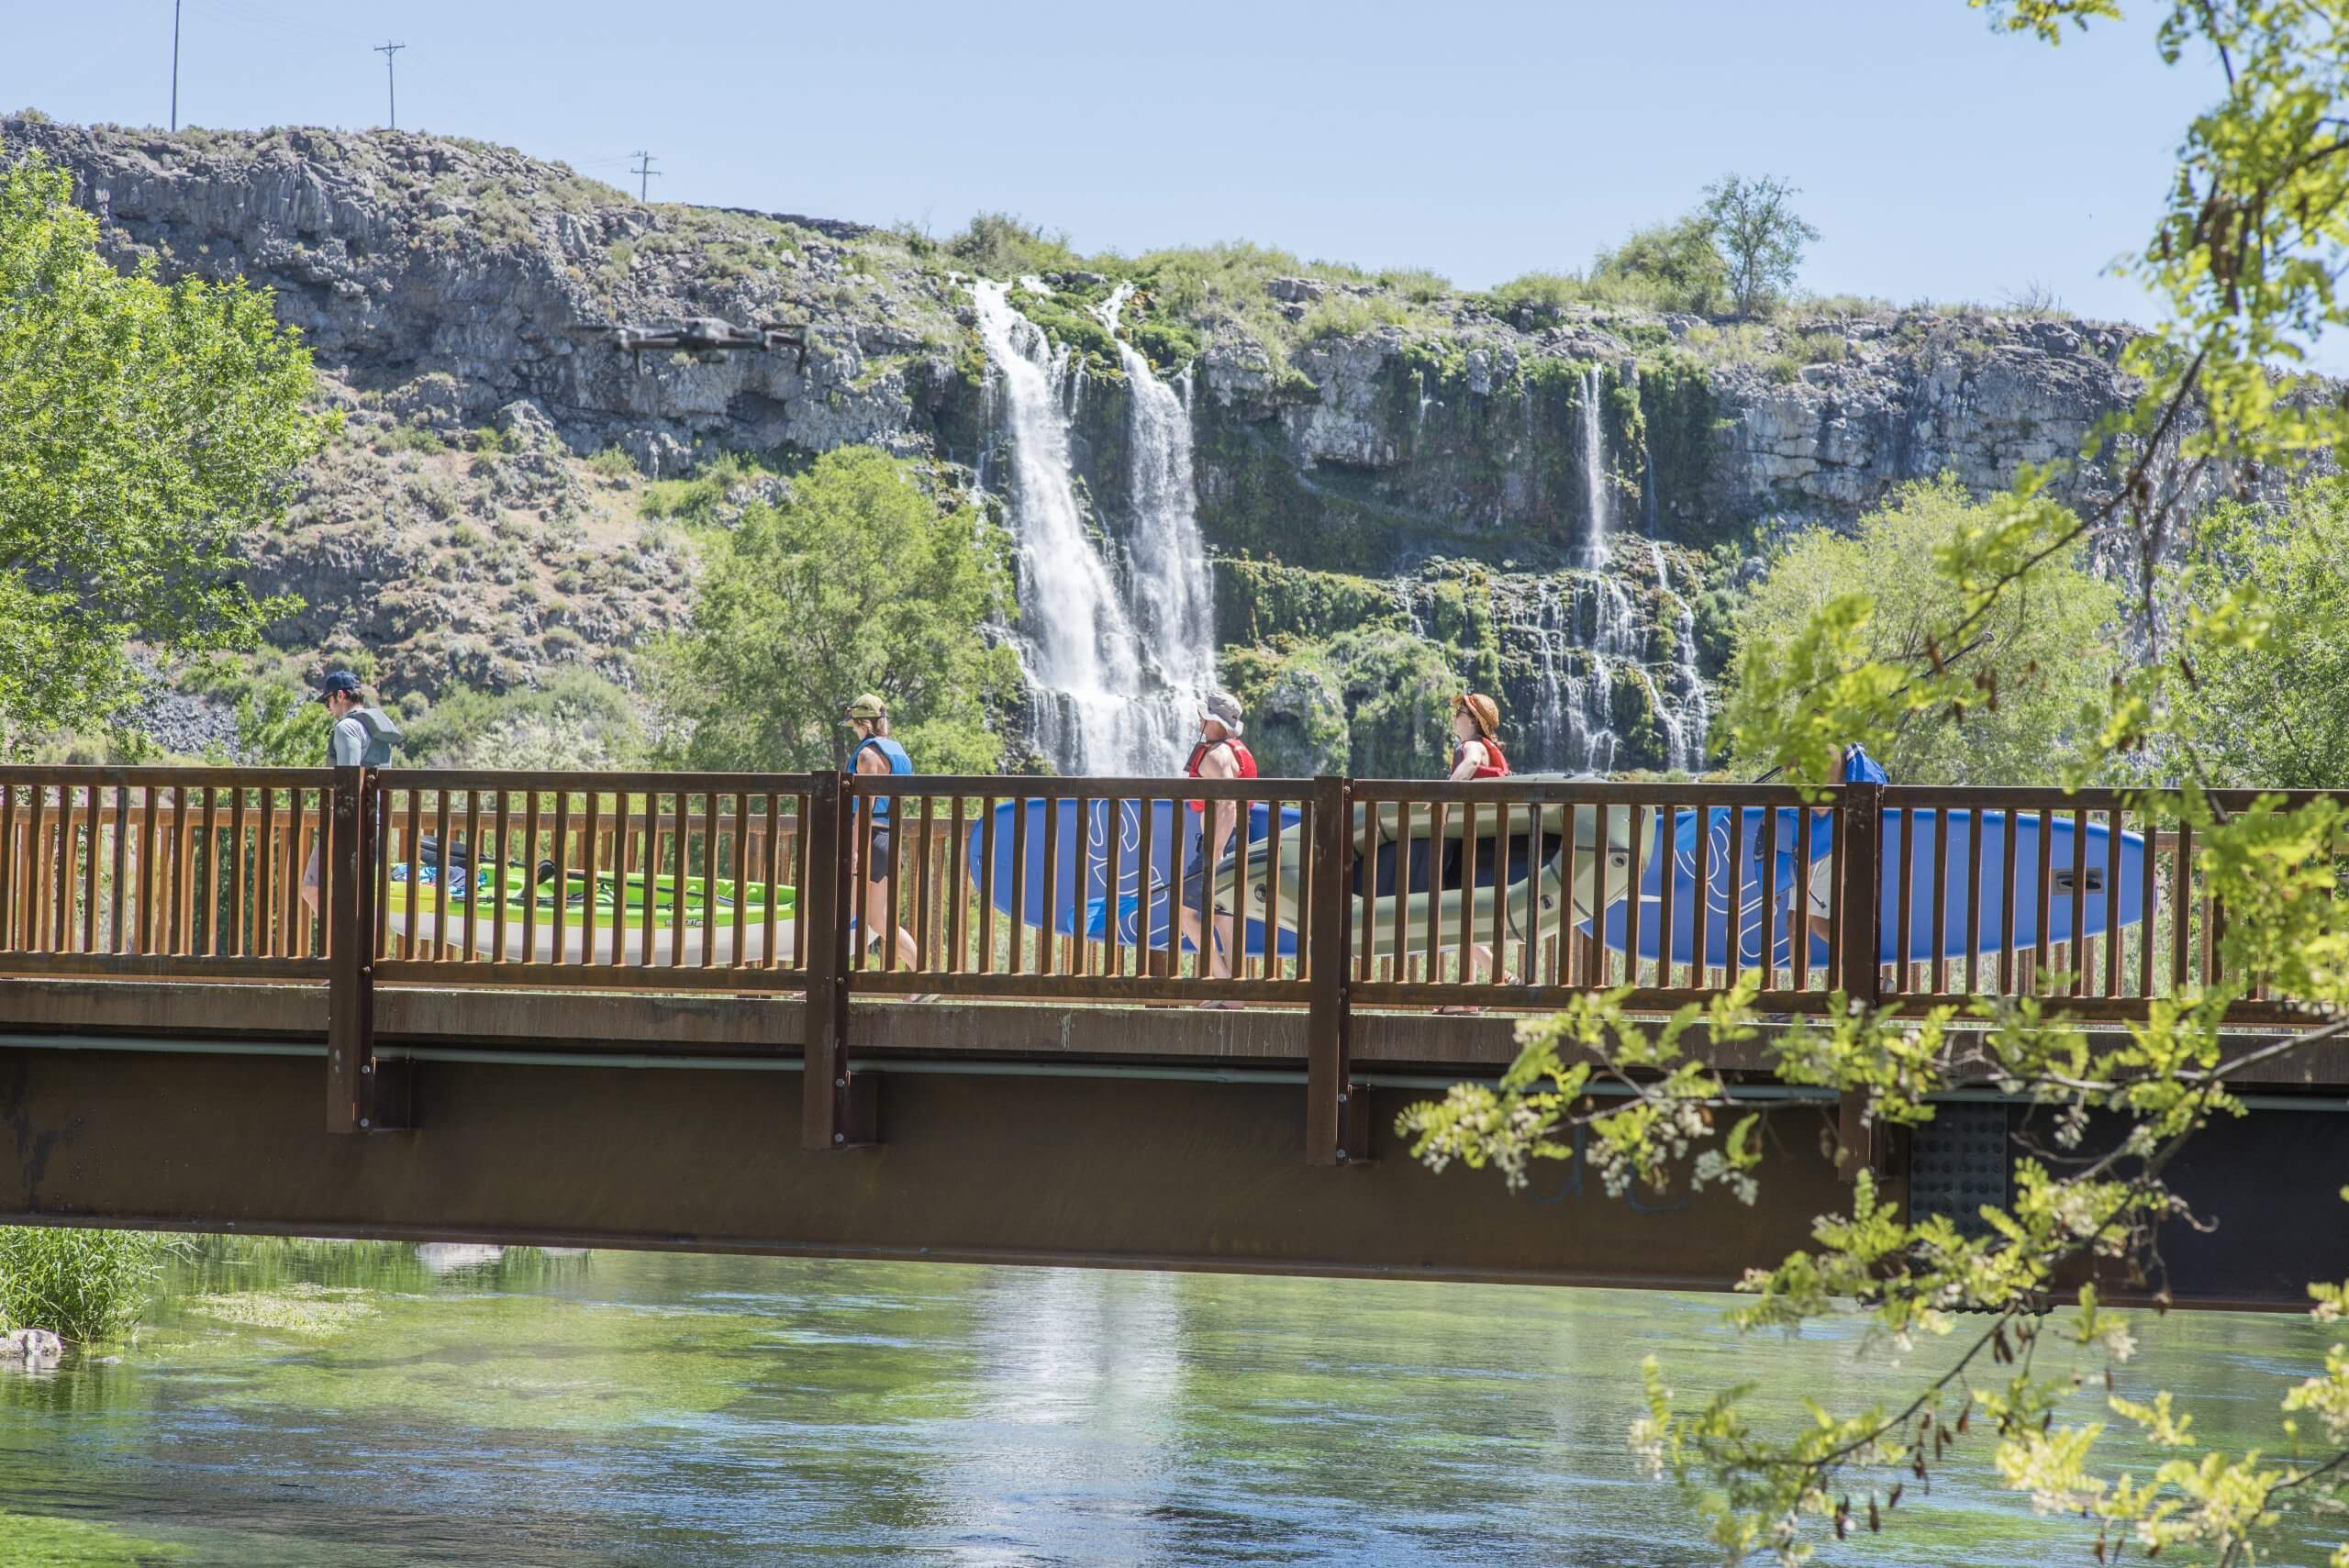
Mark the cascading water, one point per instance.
(1647, 464)
(1597, 550)
(1575, 671)
(1115, 673)
(1588, 638)
(1172, 590)
(1686, 726)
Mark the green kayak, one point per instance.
(690, 915)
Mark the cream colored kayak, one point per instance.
(537, 947)
(1522, 861)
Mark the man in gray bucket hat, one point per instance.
(1220, 753)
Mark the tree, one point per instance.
(1677, 261)
(2270, 711)
(2245, 260)
(143, 426)
(860, 580)
(2042, 656)
(1760, 237)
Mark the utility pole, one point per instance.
(644, 171)
(175, 65)
(391, 83)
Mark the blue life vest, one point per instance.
(898, 763)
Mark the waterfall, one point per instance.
(1172, 589)
(1593, 469)
(1686, 726)
(1573, 716)
(1647, 468)
(1583, 635)
(1114, 675)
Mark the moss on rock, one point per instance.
(1373, 702)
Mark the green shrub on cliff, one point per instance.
(1227, 284)
(1257, 600)
(1537, 298)
(1374, 702)
(1074, 328)
(1166, 344)
(577, 719)
(698, 498)
(1350, 314)
(1675, 263)
(1397, 689)
(1001, 246)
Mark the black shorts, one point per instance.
(1196, 877)
(877, 855)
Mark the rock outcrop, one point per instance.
(454, 293)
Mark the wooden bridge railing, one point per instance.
(1341, 895)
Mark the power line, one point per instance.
(643, 171)
(176, 65)
(390, 83)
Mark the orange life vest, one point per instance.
(1240, 754)
(1494, 766)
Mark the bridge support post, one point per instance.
(363, 1095)
(1337, 1109)
(837, 1109)
(1859, 830)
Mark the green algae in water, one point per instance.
(41, 1540)
(298, 1309)
(442, 1350)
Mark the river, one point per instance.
(365, 1403)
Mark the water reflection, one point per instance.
(299, 1402)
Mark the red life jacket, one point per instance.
(1495, 765)
(1239, 754)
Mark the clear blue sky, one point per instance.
(1482, 139)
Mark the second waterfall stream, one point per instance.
(1116, 634)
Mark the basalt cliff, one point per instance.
(1390, 487)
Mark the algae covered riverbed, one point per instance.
(357, 1403)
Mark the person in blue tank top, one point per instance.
(868, 719)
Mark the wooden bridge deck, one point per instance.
(171, 1010)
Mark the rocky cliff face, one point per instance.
(1548, 503)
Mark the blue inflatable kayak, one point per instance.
(1965, 927)
(1083, 903)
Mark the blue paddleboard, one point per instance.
(1083, 904)
(1965, 928)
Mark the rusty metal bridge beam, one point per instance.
(1129, 1171)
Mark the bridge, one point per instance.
(634, 1009)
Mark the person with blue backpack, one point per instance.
(867, 719)
(1858, 768)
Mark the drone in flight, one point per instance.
(705, 338)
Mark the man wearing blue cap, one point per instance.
(361, 737)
